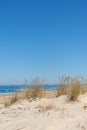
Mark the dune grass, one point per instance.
(74, 90)
(71, 87)
(68, 86)
(33, 92)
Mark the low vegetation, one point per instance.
(62, 90)
(11, 99)
(67, 86)
(63, 85)
(74, 90)
(36, 90)
(71, 87)
(31, 93)
(83, 90)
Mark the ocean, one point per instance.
(10, 89)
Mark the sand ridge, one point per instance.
(45, 114)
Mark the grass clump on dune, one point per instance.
(70, 87)
(63, 85)
(74, 90)
(36, 90)
(11, 100)
(83, 90)
(62, 90)
(31, 93)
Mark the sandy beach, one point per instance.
(43, 64)
(45, 114)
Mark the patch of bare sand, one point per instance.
(56, 114)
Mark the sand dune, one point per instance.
(45, 114)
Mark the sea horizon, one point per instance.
(10, 89)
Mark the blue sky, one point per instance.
(42, 38)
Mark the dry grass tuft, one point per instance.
(74, 90)
(26, 94)
(36, 90)
(62, 90)
(83, 89)
(63, 85)
(70, 87)
(11, 99)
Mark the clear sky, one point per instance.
(44, 38)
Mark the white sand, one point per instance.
(62, 115)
